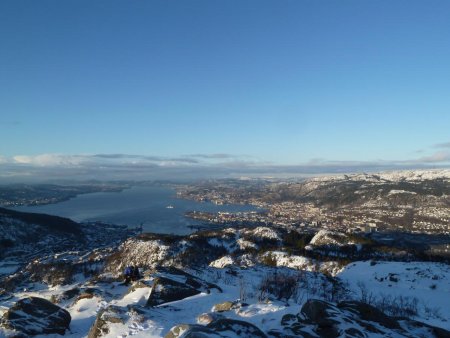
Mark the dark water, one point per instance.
(134, 206)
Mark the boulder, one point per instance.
(206, 318)
(241, 328)
(112, 314)
(137, 285)
(288, 319)
(425, 329)
(33, 316)
(369, 313)
(191, 331)
(84, 296)
(185, 278)
(165, 290)
(352, 319)
(225, 306)
(220, 328)
(319, 312)
(68, 294)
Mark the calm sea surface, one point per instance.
(146, 205)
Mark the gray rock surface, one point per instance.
(191, 331)
(225, 306)
(241, 328)
(220, 328)
(33, 316)
(350, 319)
(166, 290)
(112, 314)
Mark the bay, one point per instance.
(146, 205)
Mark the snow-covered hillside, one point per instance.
(107, 308)
(389, 176)
(428, 283)
(266, 281)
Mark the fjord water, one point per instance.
(146, 205)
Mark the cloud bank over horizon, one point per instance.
(48, 167)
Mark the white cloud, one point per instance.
(51, 160)
(439, 157)
(137, 167)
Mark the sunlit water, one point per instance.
(146, 205)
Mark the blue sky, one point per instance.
(268, 83)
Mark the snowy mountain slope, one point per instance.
(243, 295)
(242, 247)
(29, 237)
(328, 237)
(392, 176)
(227, 282)
(26, 232)
(428, 283)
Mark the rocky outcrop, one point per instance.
(186, 278)
(191, 331)
(171, 284)
(68, 294)
(369, 313)
(33, 316)
(166, 290)
(146, 253)
(350, 319)
(323, 315)
(225, 306)
(112, 314)
(206, 318)
(332, 238)
(138, 285)
(220, 328)
(241, 328)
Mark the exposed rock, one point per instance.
(288, 319)
(225, 306)
(241, 328)
(112, 314)
(350, 319)
(319, 312)
(219, 328)
(85, 296)
(53, 272)
(184, 277)
(68, 294)
(171, 284)
(328, 237)
(35, 315)
(139, 252)
(354, 333)
(427, 330)
(369, 313)
(191, 331)
(206, 318)
(222, 262)
(165, 290)
(137, 285)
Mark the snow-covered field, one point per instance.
(392, 176)
(265, 315)
(429, 283)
